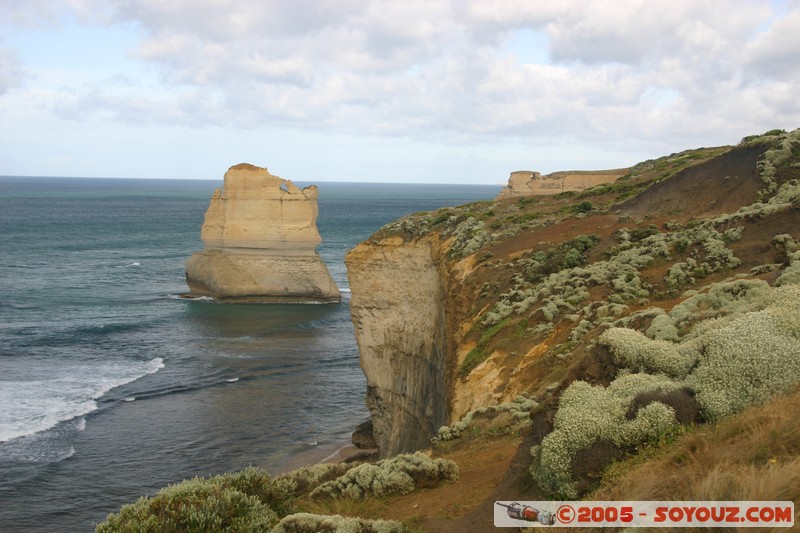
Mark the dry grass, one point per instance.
(752, 456)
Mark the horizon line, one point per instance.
(221, 179)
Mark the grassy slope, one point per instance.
(752, 456)
(664, 196)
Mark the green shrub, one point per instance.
(248, 500)
(637, 234)
(520, 408)
(192, 506)
(312, 523)
(275, 493)
(744, 351)
(569, 254)
(481, 350)
(749, 358)
(443, 217)
(633, 350)
(791, 274)
(399, 475)
(723, 298)
(589, 413)
(582, 207)
(308, 478)
(770, 133)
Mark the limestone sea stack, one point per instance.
(260, 238)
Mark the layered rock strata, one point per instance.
(260, 237)
(398, 310)
(528, 183)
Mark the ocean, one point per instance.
(111, 386)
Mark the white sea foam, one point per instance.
(38, 452)
(66, 455)
(40, 404)
(81, 425)
(129, 399)
(232, 380)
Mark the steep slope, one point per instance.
(525, 286)
(720, 185)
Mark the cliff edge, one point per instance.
(398, 311)
(260, 237)
(469, 307)
(528, 183)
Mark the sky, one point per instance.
(436, 91)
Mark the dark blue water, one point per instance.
(111, 387)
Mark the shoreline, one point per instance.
(334, 452)
(349, 453)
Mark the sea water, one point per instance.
(112, 387)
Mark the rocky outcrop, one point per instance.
(398, 310)
(260, 237)
(528, 183)
(363, 436)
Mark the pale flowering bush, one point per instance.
(663, 327)
(589, 413)
(718, 299)
(633, 350)
(716, 255)
(249, 500)
(786, 242)
(468, 236)
(749, 358)
(520, 409)
(785, 199)
(313, 523)
(722, 298)
(791, 274)
(563, 291)
(780, 152)
(742, 353)
(745, 351)
(681, 273)
(399, 475)
(308, 478)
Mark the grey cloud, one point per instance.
(775, 52)
(636, 32)
(435, 69)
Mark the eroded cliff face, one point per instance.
(472, 306)
(398, 310)
(527, 183)
(260, 237)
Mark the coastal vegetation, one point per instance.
(253, 501)
(633, 341)
(726, 364)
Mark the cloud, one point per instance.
(11, 72)
(774, 53)
(441, 69)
